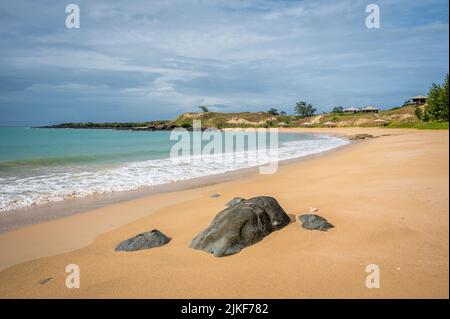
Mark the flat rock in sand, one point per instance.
(45, 280)
(145, 240)
(314, 222)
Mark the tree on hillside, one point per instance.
(304, 109)
(282, 113)
(273, 111)
(438, 101)
(418, 112)
(338, 109)
(203, 108)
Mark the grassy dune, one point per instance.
(398, 117)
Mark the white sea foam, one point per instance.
(60, 184)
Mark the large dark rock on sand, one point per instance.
(241, 225)
(145, 240)
(314, 222)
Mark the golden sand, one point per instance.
(387, 197)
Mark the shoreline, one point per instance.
(35, 214)
(387, 197)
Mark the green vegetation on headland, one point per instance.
(434, 114)
(422, 125)
(437, 104)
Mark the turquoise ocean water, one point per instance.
(43, 165)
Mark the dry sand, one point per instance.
(387, 197)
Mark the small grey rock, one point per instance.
(215, 195)
(145, 240)
(45, 280)
(235, 201)
(314, 222)
(240, 226)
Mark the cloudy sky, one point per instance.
(143, 60)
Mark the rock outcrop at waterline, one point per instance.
(360, 137)
(240, 226)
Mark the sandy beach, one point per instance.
(386, 196)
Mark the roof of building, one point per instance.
(419, 97)
(370, 107)
(351, 109)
